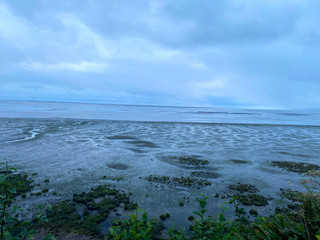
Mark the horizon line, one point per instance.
(155, 105)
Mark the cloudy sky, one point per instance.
(237, 53)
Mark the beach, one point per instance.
(160, 163)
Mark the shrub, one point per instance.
(133, 228)
(11, 226)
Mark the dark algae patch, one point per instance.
(242, 188)
(182, 181)
(63, 216)
(253, 212)
(193, 160)
(164, 217)
(252, 199)
(247, 195)
(87, 211)
(186, 161)
(292, 195)
(86, 216)
(205, 174)
(298, 167)
(237, 161)
(118, 179)
(22, 183)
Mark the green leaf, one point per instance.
(40, 206)
(15, 208)
(198, 213)
(13, 190)
(3, 177)
(111, 231)
(49, 237)
(25, 223)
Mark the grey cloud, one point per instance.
(235, 22)
(162, 52)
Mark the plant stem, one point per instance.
(3, 216)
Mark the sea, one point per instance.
(81, 145)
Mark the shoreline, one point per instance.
(41, 190)
(161, 164)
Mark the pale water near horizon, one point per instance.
(75, 145)
(25, 109)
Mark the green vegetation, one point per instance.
(11, 225)
(133, 229)
(300, 223)
(21, 182)
(86, 212)
(242, 188)
(252, 199)
(205, 174)
(298, 167)
(253, 212)
(193, 160)
(95, 206)
(237, 161)
(248, 195)
(187, 182)
(163, 217)
(118, 179)
(294, 196)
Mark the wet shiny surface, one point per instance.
(75, 154)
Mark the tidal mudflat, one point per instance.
(161, 166)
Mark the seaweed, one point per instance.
(297, 167)
(237, 161)
(193, 160)
(248, 195)
(252, 199)
(205, 174)
(21, 182)
(164, 217)
(253, 212)
(96, 206)
(242, 188)
(182, 181)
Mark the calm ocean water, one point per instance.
(10, 109)
(75, 145)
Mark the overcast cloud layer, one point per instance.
(243, 53)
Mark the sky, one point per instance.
(230, 53)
